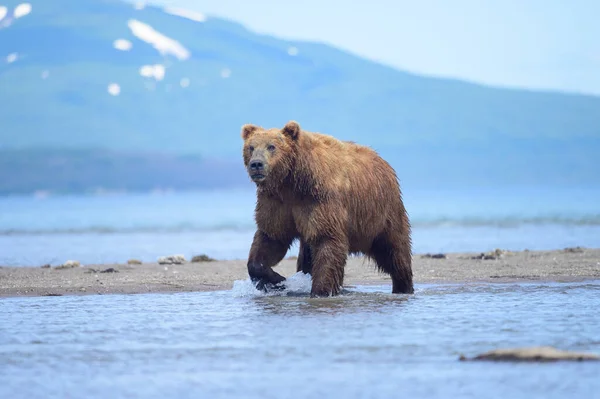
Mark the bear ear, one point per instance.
(247, 130)
(291, 129)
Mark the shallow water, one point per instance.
(239, 343)
(112, 229)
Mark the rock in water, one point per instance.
(69, 264)
(171, 260)
(533, 354)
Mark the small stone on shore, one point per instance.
(95, 271)
(69, 264)
(434, 256)
(493, 255)
(134, 262)
(532, 354)
(574, 250)
(110, 270)
(171, 259)
(202, 258)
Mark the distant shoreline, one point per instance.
(572, 264)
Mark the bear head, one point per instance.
(269, 154)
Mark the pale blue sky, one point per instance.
(552, 44)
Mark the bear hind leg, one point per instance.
(305, 261)
(393, 256)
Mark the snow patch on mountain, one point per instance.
(180, 12)
(163, 44)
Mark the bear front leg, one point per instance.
(329, 260)
(264, 254)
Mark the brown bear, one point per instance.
(336, 197)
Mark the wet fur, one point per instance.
(337, 197)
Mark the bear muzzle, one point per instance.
(257, 170)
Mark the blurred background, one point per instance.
(120, 120)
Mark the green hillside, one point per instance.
(219, 75)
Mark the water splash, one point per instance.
(298, 283)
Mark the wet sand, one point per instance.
(574, 264)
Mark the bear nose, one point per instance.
(256, 165)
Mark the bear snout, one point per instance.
(257, 169)
(257, 165)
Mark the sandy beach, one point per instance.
(569, 264)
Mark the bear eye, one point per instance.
(271, 147)
(251, 148)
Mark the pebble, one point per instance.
(69, 264)
(202, 258)
(171, 259)
(434, 256)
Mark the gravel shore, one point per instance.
(570, 264)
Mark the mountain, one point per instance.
(97, 171)
(109, 75)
